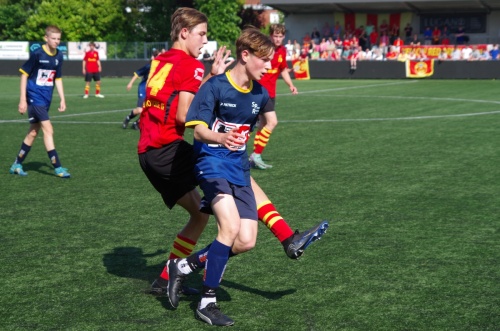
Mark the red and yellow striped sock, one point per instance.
(261, 140)
(97, 88)
(268, 214)
(182, 247)
(87, 88)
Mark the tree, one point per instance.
(223, 19)
(79, 20)
(13, 14)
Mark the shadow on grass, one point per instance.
(40, 167)
(131, 262)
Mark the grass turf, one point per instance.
(406, 172)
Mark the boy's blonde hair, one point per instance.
(52, 29)
(185, 17)
(277, 28)
(254, 41)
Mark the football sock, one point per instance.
(23, 152)
(217, 258)
(268, 214)
(182, 247)
(97, 88)
(261, 140)
(207, 297)
(87, 89)
(131, 115)
(54, 158)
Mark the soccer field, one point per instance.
(406, 171)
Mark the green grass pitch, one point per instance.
(407, 172)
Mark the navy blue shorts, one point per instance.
(243, 196)
(96, 76)
(140, 102)
(38, 114)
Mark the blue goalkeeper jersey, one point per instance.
(42, 70)
(221, 105)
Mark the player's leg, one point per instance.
(48, 140)
(97, 79)
(17, 167)
(267, 123)
(88, 79)
(133, 113)
(294, 243)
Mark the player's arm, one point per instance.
(23, 104)
(60, 91)
(285, 73)
(99, 65)
(231, 140)
(131, 83)
(84, 65)
(185, 99)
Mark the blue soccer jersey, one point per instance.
(143, 73)
(222, 105)
(42, 70)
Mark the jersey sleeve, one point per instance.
(201, 110)
(192, 76)
(29, 65)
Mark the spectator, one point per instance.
(398, 43)
(377, 54)
(408, 33)
(384, 27)
(436, 36)
(353, 58)
(392, 54)
(337, 31)
(415, 41)
(460, 36)
(315, 35)
(443, 55)
(475, 55)
(289, 50)
(456, 54)
(466, 52)
(373, 38)
(369, 28)
(306, 41)
(326, 31)
(427, 36)
(445, 35)
(207, 57)
(494, 52)
(394, 32)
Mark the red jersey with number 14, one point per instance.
(278, 64)
(171, 72)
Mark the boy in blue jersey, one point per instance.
(142, 73)
(39, 75)
(223, 113)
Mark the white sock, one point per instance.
(205, 301)
(184, 267)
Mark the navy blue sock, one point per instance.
(23, 152)
(131, 115)
(54, 158)
(197, 260)
(217, 258)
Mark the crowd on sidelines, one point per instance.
(387, 43)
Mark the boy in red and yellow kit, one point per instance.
(91, 69)
(269, 120)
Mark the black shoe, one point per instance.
(161, 291)
(213, 316)
(301, 240)
(175, 282)
(135, 126)
(125, 122)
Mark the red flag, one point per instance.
(301, 69)
(419, 69)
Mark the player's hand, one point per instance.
(23, 106)
(62, 106)
(220, 62)
(233, 140)
(294, 90)
(129, 86)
